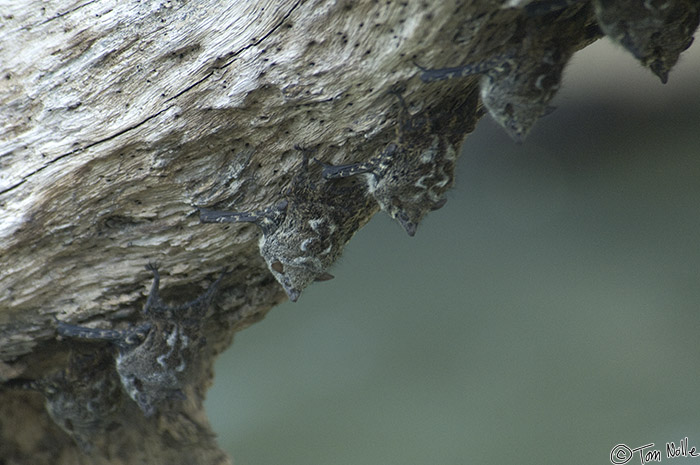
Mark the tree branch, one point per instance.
(122, 118)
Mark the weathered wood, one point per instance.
(120, 118)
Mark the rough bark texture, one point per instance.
(119, 118)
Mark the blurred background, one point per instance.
(548, 313)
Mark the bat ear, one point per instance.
(293, 294)
(410, 228)
(407, 224)
(277, 266)
(324, 277)
(548, 110)
(439, 204)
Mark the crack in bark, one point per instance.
(235, 54)
(179, 94)
(92, 144)
(56, 16)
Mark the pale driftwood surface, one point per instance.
(119, 118)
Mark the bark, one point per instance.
(120, 118)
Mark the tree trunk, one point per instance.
(121, 118)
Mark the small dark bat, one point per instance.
(518, 84)
(654, 31)
(410, 177)
(304, 234)
(81, 398)
(155, 359)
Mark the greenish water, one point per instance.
(548, 313)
